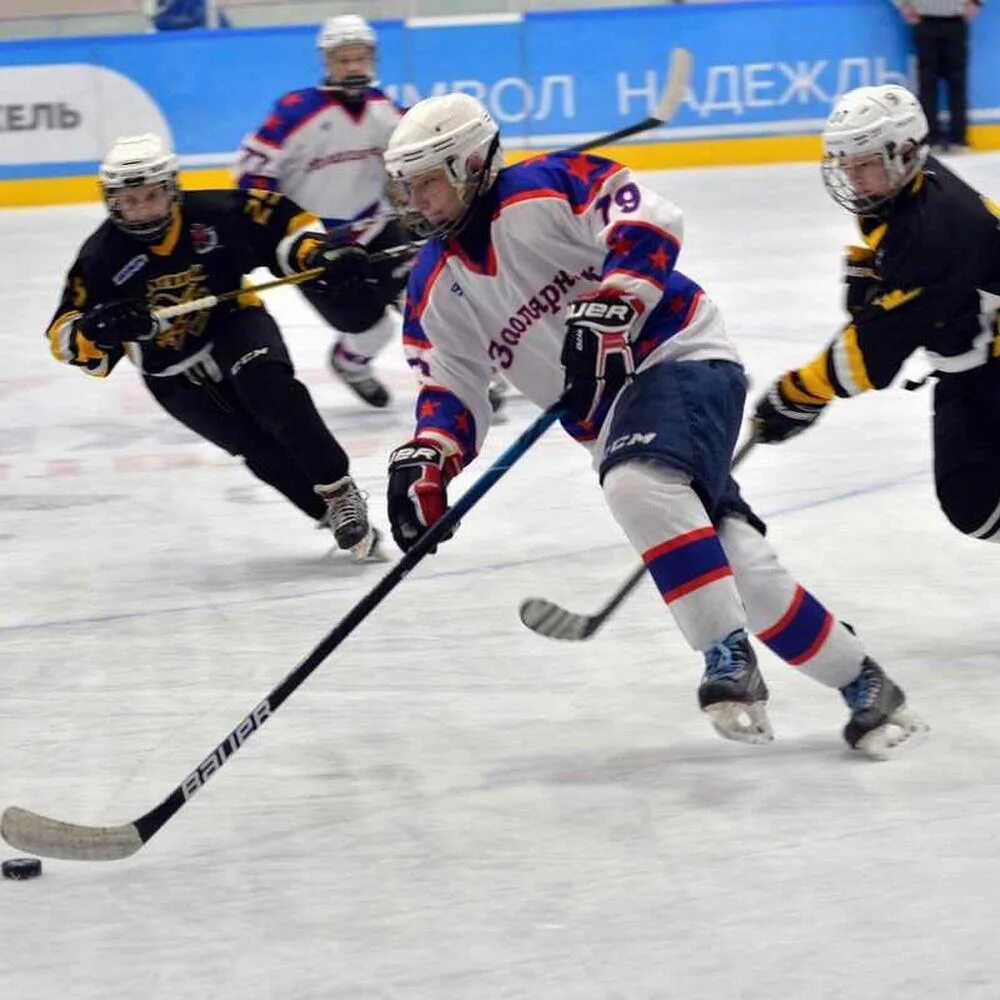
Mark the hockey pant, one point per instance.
(258, 410)
(967, 449)
(367, 324)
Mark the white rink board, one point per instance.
(453, 807)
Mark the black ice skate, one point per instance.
(733, 693)
(361, 381)
(880, 721)
(347, 517)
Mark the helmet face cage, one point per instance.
(470, 157)
(886, 123)
(337, 32)
(136, 162)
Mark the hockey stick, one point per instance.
(54, 839)
(167, 313)
(554, 622)
(678, 77)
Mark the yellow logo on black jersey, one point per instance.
(172, 290)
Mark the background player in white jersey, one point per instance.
(322, 146)
(560, 271)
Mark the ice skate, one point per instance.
(880, 722)
(733, 693)
(360, 379)
(347, 517)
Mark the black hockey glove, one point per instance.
(596, 353)
(347, 270)
(419, 473)
(111, 324)
(776, 418)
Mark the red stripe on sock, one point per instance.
(675, 543)
(814, 648)
(699, 581)
(782, 623)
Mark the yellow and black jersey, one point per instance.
(915, 283)
(214, 239)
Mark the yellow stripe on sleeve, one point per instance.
(855, 361)
(87, 350)
(810, 383)
(896, 298)
(54, 333)
(304, 220)
(875, 237)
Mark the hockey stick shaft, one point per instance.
(678, 77)
(51, 838)
(298, 278)
(549, 619)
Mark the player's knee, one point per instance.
(624, 481)
(269, 389)
(971, 502)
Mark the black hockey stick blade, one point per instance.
(554, 622)
(678, 78)
(52, 838)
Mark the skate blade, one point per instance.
(741, 721)
(369, 549)
(903, 731)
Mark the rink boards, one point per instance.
(765, 77)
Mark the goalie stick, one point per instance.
(554, 622)
(52, 838)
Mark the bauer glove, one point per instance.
(419, 473)
(597, 354)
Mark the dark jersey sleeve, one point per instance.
(913, 284)
(65, 342)
(279, 232)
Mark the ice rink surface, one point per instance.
(453, 808)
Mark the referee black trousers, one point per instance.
(942, 45)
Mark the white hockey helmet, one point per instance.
(453, 133)
(137, 161)
(885, 121)
(347, 29)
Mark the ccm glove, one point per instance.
(419, 473)
(596, 353)
(111, 324)
(776, 418)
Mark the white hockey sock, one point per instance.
(668, 526)
(356, 350)
(784, 615)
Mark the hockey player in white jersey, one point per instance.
(322, 147)
(560, 271)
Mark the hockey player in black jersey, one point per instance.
(225, 373)
(923, 278)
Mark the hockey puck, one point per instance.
(22, 868)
